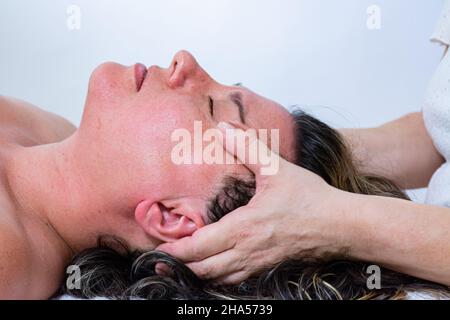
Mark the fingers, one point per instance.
(233, 278)
(225, 269)
(250, 151)
(204, 243)
(217, 266)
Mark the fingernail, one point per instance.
(225, 126)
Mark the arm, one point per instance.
(400, 150)
(404, 236)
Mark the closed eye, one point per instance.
(211, 106)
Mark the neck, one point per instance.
(47, 184)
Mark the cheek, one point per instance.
(145, 136)
(166, 118)
(197, 180)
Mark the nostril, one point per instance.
(174, 67)
(183, 67)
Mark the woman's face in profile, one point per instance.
(130, 124)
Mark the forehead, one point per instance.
(263, 113)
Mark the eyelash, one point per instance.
(211, 106)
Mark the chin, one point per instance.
(107, 77)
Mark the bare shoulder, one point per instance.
(28, 119)
(29, 267)
(15, 263)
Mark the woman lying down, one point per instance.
(102, 197)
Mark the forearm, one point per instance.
(400, 150)
(401, 235)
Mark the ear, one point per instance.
(171, 220)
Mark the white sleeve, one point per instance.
(442, 32)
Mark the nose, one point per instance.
(184, 67)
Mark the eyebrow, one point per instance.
(236, 98)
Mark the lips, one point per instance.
(140, 73)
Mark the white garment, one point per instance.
(442, 32)
(436, 113)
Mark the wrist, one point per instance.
(343, 229)
(359, 231)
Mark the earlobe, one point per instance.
(166, 223)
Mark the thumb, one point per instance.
(250, 150)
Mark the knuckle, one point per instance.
(202, 271)
(196, 252)
(269, 233)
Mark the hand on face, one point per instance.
(126, 137)
(292, 214)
